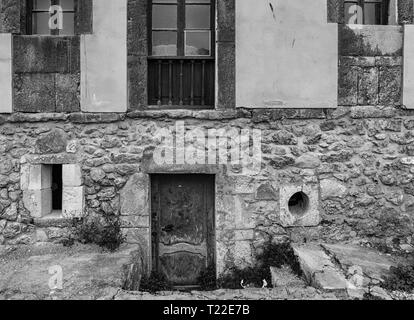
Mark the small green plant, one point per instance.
(279, 255)
(251, 276)
(368, 296)
(156, 282)
(272, 255)
(401, 278)
(106, 234)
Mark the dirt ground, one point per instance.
(91, 273)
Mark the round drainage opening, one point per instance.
(299, 204)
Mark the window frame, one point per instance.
(385, 4)
(55, 32)
(181, 58)
(181, 29)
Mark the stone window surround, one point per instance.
(57, 62)
(36, 179)
(138, 54)
(242, 226)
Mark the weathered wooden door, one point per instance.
(183, 242)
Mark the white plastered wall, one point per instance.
(6, 73)
(286, 54)
(104, 59)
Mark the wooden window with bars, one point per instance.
(367, 12)
(181, 62)
(39, 12)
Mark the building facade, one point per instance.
(208, 127)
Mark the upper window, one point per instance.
(367, 11)
(182, 28)
(51, 17)
(181, 66)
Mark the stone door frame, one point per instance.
(136, 207)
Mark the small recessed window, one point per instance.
(57, 187)
(51, 17)
(369, 11)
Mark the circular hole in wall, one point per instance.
(298, 203)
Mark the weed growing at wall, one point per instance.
(207, 279)
(401, 278)
(106, 234)
(273, 255)
(155, 282)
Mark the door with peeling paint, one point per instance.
(182, 226)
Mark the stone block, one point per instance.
(67, 92)
(139, 236)
(318, 269)
(390, 85)
(226, 21)
(34, 92)
(243, 256)
(137, 28)
(374, 112)
(73, 202)
(84, 17)
(38, 202)
(52, 142)
(348, 84)
(6, 73)
(41, 236)
(331, 189)
(137, 82)
(135, 196)
(24, 176)
(405, 12)
(34, 54)
(40, 177)
(226, 76)
(10, 16)
(370, 40)
(284, 277)
(71, 175)
(308, 214)
(135, 221)
(266, 192)
(308, 161)
(335, 11)
(368, 86)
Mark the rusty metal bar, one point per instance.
(170, 82)
(159, 82)
(203, 71)
(192, 83)
(181, 81)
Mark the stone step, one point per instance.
(343, 268)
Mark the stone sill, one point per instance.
(375, 27)
(55, 219)
(257, 115)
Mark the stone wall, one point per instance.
(357, 161)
